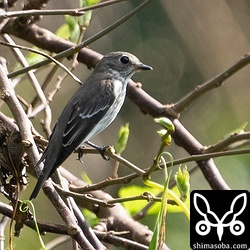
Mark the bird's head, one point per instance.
(121, 64)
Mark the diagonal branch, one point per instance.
(13, 26)
(215, 82)
(47, 40)
(72, 12)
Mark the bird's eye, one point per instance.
(124, 59)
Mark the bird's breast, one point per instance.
(118, 87)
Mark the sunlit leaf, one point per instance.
(135, 206)
(122, 141)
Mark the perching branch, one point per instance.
(117, 217)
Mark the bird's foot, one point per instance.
(80, 153)
(101, 150)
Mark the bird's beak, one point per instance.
(143, 67)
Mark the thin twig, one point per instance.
(77, 48)
(83, 197)
(24, 124)
(57, 86)
(229, 141)
(215, 82)
(148, 197)
(112, 238)
(128, 178)
(73, 12)
(35, 84)
(46, 82)
(50, 58)
(116, 157)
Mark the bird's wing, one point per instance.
(84, 116)
(83, 111)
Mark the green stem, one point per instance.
(172, 195)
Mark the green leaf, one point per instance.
(71, 22)
(63, 31)
(122, 141)
(88, 2)
(86, 178)
(70, 30)
(135, 206)
(238, 130)
(84, 20)
(165, 137)
(158, 237)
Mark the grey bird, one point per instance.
(89, 111)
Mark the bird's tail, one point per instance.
(38, 186)
(52, 160)
(42, 178)
(45, 174)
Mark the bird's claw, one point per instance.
(101, 150)
(80, 154)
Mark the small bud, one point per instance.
(26, 143)
(121, 143)
(165, 136)
(111, 149)
(182, 181)
(162, 132)
(166, 123)
(5, 94)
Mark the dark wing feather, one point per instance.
(82, 121)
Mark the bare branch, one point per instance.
(74, 12)
(68, 48)
(215, 82)
(24, 124)
(45, 55)
(115, 217)
(229, 141)
(34, 82)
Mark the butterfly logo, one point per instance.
(210, 219)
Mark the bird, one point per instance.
(90, 110)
